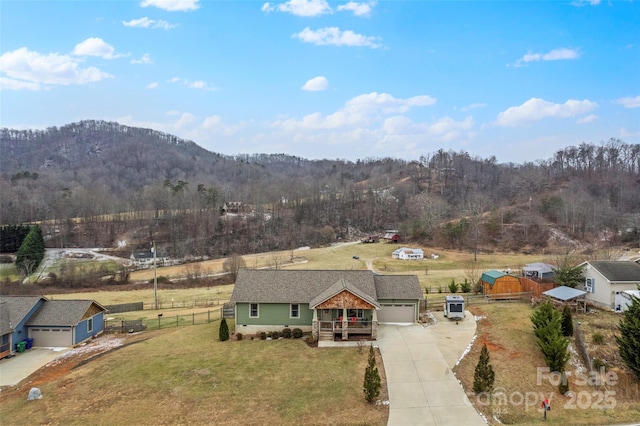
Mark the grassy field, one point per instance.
(515, 356)
(189, 377)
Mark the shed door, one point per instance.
(51, 337)
(397, 313)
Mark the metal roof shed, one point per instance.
(564, 295)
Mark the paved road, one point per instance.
(418, 360)
(13, 370)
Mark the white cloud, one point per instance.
(588, 119)
(358, 9)
(172, 5)
(11, 84)
(148, 23)
(334, 36)
(198, 84)
(95, 46)
(316, 84)
(305, 8)
(537, 109)
(630, 102)
(560, 54)
(153, 85)
(145, 60)
(53, 68)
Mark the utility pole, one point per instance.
(155, 277)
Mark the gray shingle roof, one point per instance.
(564, 293)
(618, 271)
(18, 307)
(61, 312)
(6, 326)
(277, 286)
(336, 288)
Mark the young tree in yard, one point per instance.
(484, 376)
(567, 273)
(567, 321)
(233, 264)
(223, 333)
(371, 378)
(547, 326)
(31, 252)
(629, 338)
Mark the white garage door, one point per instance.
(397, 313)
(51, 337)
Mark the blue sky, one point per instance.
(320, 79)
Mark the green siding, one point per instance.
(273, 314)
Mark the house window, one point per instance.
(295, 310)
(253, 310)
(589, 285)
(89, 325)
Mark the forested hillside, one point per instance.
(136, 185)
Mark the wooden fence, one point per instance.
(435, 302)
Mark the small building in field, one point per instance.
(392, 236)
(406, 253)
(538, 270)
(497, 283)
(371, 239)
(144, 259)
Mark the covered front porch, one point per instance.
(344, 312)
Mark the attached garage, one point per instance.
(51, 337)
(397, 312)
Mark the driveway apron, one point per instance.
(14, 370)
(418, 361)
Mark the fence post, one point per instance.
(208, 316)
(193, 318)
(177, 320)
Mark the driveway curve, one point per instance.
(418, 361)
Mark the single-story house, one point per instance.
(605, 280)
(538, 270)
(326, 303)
(406, 253)
(392, 236)
(144, 259)
(50, 323)
(498, 283)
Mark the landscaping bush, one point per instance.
(275, 335)
(453, 286)
(465, 287)
(223, 333)
(239, 336)
(286, 333)
(484, 376)
(263, 335)
(599, 363)
(372, 383)
(311, 340)
(597, 338)
(296, 333)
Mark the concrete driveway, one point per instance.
(14, 370)
(418, 360)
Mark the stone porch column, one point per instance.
(345, 324)
(315, 329)
(374, 324)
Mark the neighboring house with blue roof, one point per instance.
(605, 281)
(326, 303)
(50, 323)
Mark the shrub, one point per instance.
(453, 287)
(223, 332)
(372, 384)
(286, 333)
(597, 338)
(629, 338)
(465, 287)
(275, 335)
(311, 340)
(567, 322)
(484, 376)
(599, 363)
(296, 333)
(563, 387)
(239, 336)
(440, 289)
(263, 335)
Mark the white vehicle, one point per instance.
(454, 307)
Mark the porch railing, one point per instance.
(354, 327)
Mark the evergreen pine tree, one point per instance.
(31, 251)
(484, 376)
(223, 333)
(371, 378)
(567, 321)
(629, 338)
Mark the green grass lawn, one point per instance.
(186, 376)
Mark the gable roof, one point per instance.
(337, 288)
(17, 307)
(618, 271)
(490, 277)
(564, 293)
(62, 312)
(314, 286)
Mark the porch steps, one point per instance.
(325, 336)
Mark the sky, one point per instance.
(517, 80)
